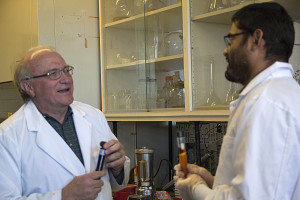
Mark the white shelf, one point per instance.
(169, 12)
(223, 16)
(173, 58)
(172, 115)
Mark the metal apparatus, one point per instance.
(144, 162)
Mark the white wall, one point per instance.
(72, 27)
(18, 22)
(295, 58)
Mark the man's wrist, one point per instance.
(64, 194)
(116, 172)
(118, 175)
(201, 191)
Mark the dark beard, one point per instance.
(238, 68)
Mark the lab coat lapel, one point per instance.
(51, 142)
(84, 134)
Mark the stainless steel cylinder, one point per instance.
(144, 159)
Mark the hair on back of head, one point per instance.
(276, 24)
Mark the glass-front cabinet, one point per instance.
(210, 22)
(162, 60)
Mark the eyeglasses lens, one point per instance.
(69, 69)
(227, 41)
(56, 74)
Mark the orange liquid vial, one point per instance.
(183, 161)
(182, 153)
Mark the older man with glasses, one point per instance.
(49, 147)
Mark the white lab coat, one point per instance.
(36, 163)
(260, 154)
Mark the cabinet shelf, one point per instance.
(222, 16)
(169, 12)
(171, 114)
(170, 59)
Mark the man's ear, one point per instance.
(26, 86)
(257, 39)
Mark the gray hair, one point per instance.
(22, 69)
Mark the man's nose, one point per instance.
(225, 52)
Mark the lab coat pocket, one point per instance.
(228, 141)
(225, 166)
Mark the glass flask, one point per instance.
(236, 92)
(177, 92)
(174, 43)
(167, 90)
(122, 9)
(151, 93)
(141, 102)
(168, 2)
(122, 99)
(212, 99)
(113, 101)
(217, 5)
(141, 6)
(163, 96)
(237, 2)
(155, 40)
(297, 76)
(229, 93)
(151, 5)
(233, 92)
(121, 58)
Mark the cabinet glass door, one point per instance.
(123, 56)
(142, 44)
(211, 21)
(164, 55)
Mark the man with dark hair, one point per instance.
(259, 157)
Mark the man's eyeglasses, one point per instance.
(228, 38)
(54, 74)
